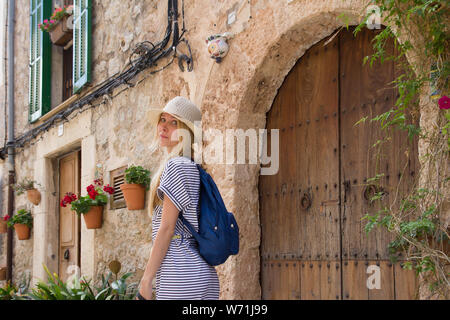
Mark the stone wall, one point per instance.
(269, 38)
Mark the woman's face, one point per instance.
(166, 130)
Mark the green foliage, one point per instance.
(82, 289)
(22, 216)
(24, 185)
(55, 289)
(119, 289)
(415, 218)
(138, 175)
(84, 204)
(97, 196)
(8, 291)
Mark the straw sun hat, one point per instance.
(182, 109)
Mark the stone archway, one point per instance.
(239, 94)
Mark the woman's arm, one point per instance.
(160, 246)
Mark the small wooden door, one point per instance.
(313, 240)
(67, 73)
(69, 221)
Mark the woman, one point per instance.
(180, 271)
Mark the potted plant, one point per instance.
(22, 222)
(137, 180)
(27, 185)
(59, 26)
(91, 205)
(3, 224)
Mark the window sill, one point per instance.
(57, 109)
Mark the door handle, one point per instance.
(369, 191)
(66, 254)
(305, 202)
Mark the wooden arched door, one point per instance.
(313, 241)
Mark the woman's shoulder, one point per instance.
(181, 161)
(180, 164)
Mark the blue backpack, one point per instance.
(218, 232)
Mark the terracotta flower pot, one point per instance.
(22, 231)
(3, 226)
(93, 218)
(34, 196)
(2, 273)
(134, 195)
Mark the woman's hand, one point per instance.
(145, 290)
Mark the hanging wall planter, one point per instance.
(22, 231)
(93, 218)
(137, 181)
(59, 25)
(29, 186)
(61, 34)
(34, 196)
(22, 222)
(134, 195)
(91, 205)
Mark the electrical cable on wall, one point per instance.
(148, 54)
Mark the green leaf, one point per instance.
(360, 121)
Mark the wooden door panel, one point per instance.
(266, 280)
(310, 275)
(270, 185)
(386, 288)
(308, 125)
(67, 218)
(354, 279)
(367, 150)
(311, 211)
(69, 226)
(362, 94)
(316, 144)
(330, 280)
(406, 284)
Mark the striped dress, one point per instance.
(183, 273)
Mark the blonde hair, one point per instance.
(177, 150)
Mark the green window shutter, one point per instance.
(40, 65)
(81, 44)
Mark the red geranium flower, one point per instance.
(6, 218)
(444, 102)
(90, 188)
(108, 189)
(68, 198)
(93, 194)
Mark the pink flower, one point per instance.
(45, 21)
(52, 21)
(444, 102)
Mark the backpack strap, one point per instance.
(188, 225)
